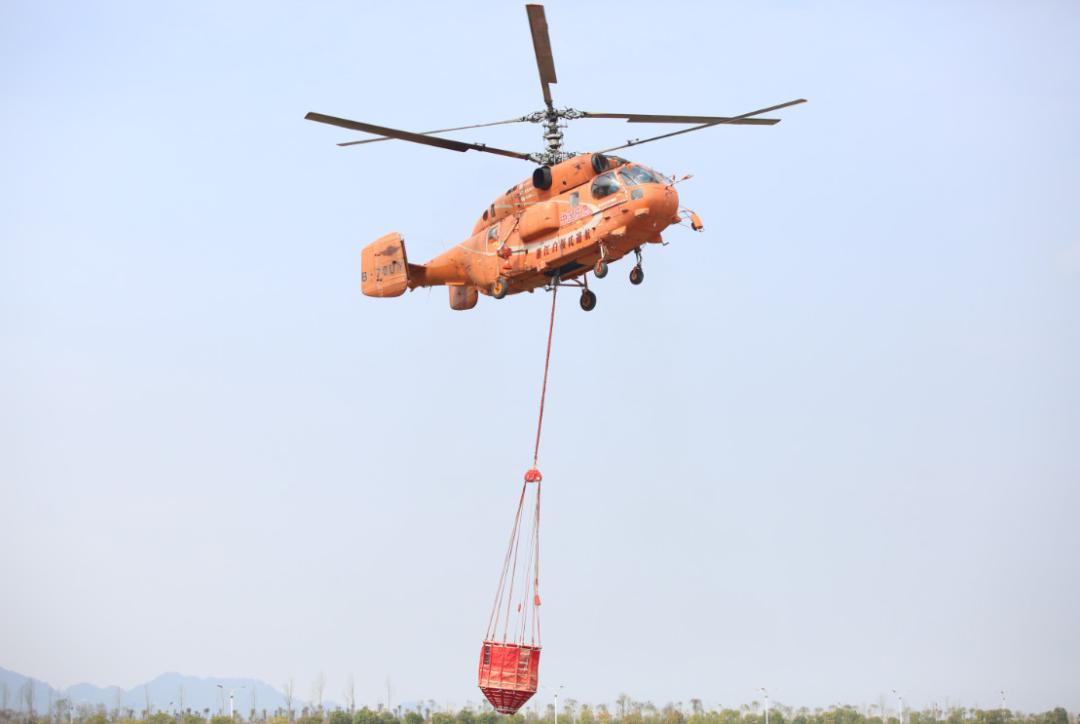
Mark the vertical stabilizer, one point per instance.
(384, 270)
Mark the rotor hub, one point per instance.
(553, 136)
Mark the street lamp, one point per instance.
(231, 693)
(766, 705)
(900, 701)
(556, 691)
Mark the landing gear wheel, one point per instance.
(600, 270)
(500, 288)
(588, 300)
(637, 276)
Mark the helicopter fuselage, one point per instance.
(578, 212)
(594, 211)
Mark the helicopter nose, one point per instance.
(671, 203)
(655, 207)
(663, 205)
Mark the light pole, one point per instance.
(900, 703)
(232, 692)
(1003, 709)
(555, 691)
(766, 704)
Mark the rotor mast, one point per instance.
(553, 136)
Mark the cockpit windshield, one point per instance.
(640, 175)
(604, 185)
(661, 178)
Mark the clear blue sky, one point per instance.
(831, 446)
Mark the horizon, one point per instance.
(330, 703)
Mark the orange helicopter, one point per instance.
(578, 212)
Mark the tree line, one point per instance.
(624, 711)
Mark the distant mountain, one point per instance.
(13, 692)
(164, 693)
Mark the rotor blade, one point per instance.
(734, 119)
(437, 130)
(542, 46)
(414, 137)
(653, 118)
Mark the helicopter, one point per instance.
(578, 213)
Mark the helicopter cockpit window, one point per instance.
(642, 175)
(660, 178)
(627, 178)
(604, 185)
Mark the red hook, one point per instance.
(532, 475)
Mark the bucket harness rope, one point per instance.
(528, 606)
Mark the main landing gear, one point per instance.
(500, 287)
(588, 298)
(637, 274)
(599, 269)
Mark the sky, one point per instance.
(828, 448)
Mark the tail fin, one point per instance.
(384, 270)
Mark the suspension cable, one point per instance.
(502, 610)
(547, 363)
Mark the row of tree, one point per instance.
(625, 711)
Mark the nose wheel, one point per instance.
(588, 300)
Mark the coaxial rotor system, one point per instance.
(550, 117)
